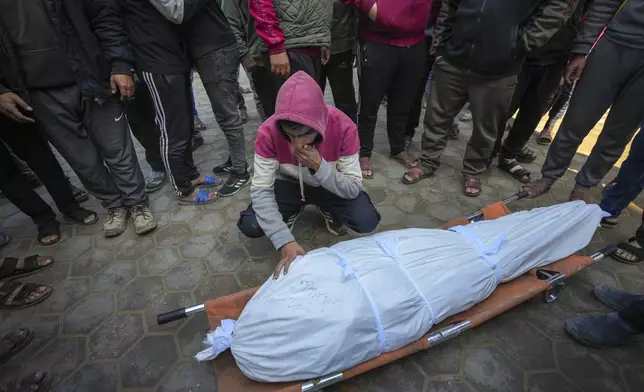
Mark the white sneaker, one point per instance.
(144, 221)
(116, 222)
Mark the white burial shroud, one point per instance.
(343, 305)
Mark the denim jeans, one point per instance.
(629, 181)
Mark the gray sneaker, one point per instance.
(144, 221)
(116, 222)
(155, 181)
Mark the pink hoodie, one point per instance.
(300, 100)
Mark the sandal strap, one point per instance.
(30, 263)
(210, 180)
(21, 293)
(202, 196)
(639, 252)
(8, 267)
(14, 338)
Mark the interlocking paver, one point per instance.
(88, 314)
(185, 275)
(94, 377)
(115, 336)
(588, 369)
(89, 263)
(158, 261)
(487, 369)
(115, 276)
(148, 362)
(136, 295)
(105, 303)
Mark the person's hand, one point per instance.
(252, 64)
(373, 12)
(325, 52)
(289, 252)
(308, 156)
(123, 84)
(575, 67)
(280, 65)
(9, 106)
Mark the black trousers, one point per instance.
(170, 95)
(339, 71)
(141, 116)
(27, 143)
(634, 314)
(392, 71)
(613, 78)
(536, 87)
(268, 84)
(413, 120)
(358, 214)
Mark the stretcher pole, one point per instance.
(478, 215)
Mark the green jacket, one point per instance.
(243, 25)
(290, 24)
(343, 28)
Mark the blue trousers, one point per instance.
(629, 181)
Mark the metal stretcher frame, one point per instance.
(549, 280)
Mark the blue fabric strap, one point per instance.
(210, 180)
(390, 247)
(350, 273)
(485, 252)
(202, 196)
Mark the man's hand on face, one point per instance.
(122, 83)
(9, 104)
(308, 156)
(280, 65)
(289, 252)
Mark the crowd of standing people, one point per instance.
(84, 76)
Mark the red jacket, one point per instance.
(398, 22)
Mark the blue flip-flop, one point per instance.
(202, 198)
(211, 182)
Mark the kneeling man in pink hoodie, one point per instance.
(306, 153)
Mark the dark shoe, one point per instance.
(198, 124)
(11, 343)
(197, 141)
(155, 181)
(227, 167)
(234, 184)
(614, 298)
(333, 225)
(601, 331)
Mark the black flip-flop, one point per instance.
(633, 250)
(41, 381)
(14, 342)
(514, 168)
(30, 266)
(13, 294)
(79, 215)
(48, 230)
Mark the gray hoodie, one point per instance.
(624, 25)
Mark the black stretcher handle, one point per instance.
(168, 317)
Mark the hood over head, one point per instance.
(301, 100)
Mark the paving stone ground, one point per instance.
(97, 332)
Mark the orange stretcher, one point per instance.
(549, 280)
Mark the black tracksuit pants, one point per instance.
(339, 71)
(268, 84)
(170, 96)
(27, 143)
(536, 87)
(392, 71)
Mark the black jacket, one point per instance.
(491, 37)
(158, 45)
(204, 25)
(624, 22)
(94, 40)
(559, 46)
